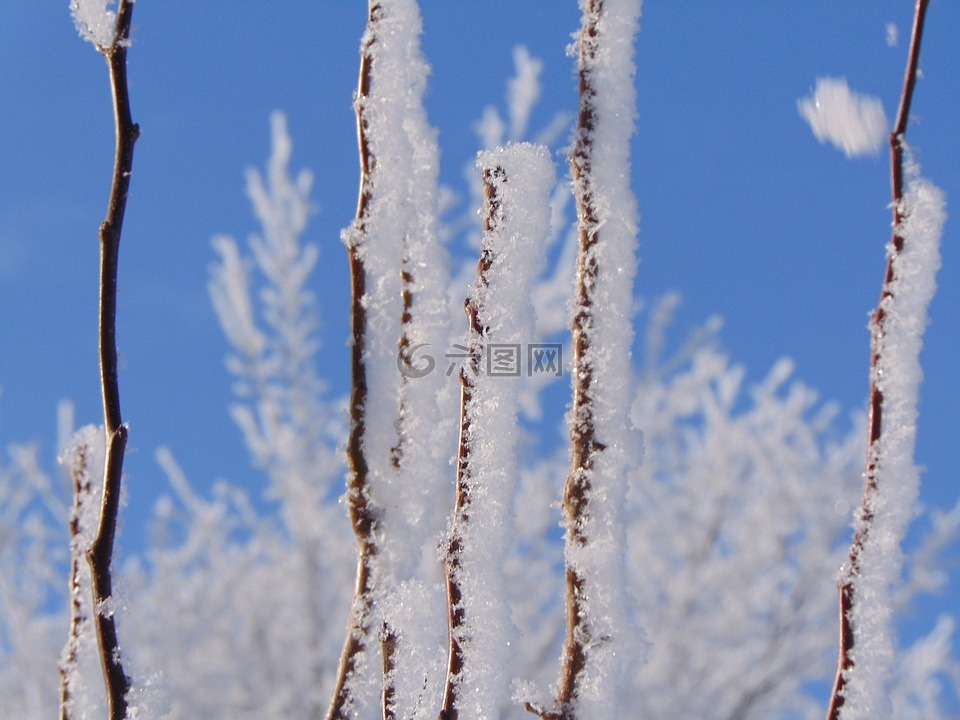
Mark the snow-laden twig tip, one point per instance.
(95, 21)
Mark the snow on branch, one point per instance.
(517, 183)
(398, 297)
(84, 459)
(95, 22)
(110, 33)
(602, 447)
(891, 481)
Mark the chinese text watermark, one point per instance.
(499, 360)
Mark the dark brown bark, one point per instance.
(847, 584)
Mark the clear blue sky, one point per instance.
(743, 211)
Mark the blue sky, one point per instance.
(742, 210)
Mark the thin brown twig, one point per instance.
(100, 553)
(847, 584)
(456, 613)
(363, 512)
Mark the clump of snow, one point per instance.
(94, 21)
(852, 122)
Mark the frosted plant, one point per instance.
(517, 181)
(600, 644)
(33, 528)
(892, 480)
(94, 22)
(81, 695)
(281, 412)
(731, 529)
(737, 595)
(396, 447)
(224, 599)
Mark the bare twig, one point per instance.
(363, 513)
(100, 553)
(847, 583)
(456, 615)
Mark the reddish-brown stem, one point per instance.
(363, 513)
(847, 584)
(456, 614)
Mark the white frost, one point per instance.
(898, 375)
(523, 176)
(850, 121)
(94, 21)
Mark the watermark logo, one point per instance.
(544, 359)
(503, 360)
(500, 360)
(409, 366)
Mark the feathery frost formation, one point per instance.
(286, 423)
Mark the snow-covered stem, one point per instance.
(456, 616)
(100, 553)
(602, 331)
(516, 182)
(879, 478)
(80, 474)
(399, 289)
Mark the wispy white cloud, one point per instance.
(850, 121)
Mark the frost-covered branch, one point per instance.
(84, 460)
(92, 19)
(396, 308)
(891, 481)
(517, 182)
(601, 446)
